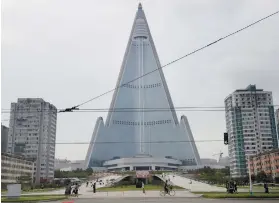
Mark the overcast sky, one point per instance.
(67, 51)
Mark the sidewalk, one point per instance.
(136, 194)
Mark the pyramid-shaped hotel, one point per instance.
(134, 125)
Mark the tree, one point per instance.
(58, 174)
(89, 171)
(253, 178)
(24, 180)
(261, 177)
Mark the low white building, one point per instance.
(189, 168)
(142, 162)
(14, 167)
(208, 161)
(67, 165)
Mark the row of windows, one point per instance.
(17, 172)
(141, 123)
(248, 94)
(16, 166)
(141, 44)
(144, 86)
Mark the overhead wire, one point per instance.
(135, 109)
(122, 142)
(176, 60)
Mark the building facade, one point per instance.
(4, 138)
(141, 129)
(224, 161)
(13, 167)
(32, 134)
(142, 163)
(64, 164)
(267, 161)
(277, 121)
(250, 123)
(208, 161)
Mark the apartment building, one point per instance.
(277, 122)
(267, 161)
(4, 138)
(32, 134)
(250, 122)
(13, 167)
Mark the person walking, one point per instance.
(235, 187)
(94, 187)
(266, 190)
(166, 187)
(142, 186)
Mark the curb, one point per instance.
(268, 198)
(34, 200)
(143, 197)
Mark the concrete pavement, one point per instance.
(192, 185)
(87, 192)
(165, 200)
(127, 194)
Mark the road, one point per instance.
(165, 200)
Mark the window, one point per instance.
(160, 122)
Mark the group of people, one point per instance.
(167, 187)
(231, 187)
(72, 189)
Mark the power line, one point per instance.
(123, 110)
(141, 108)
(121, 142)
(178, 59)
(128, 111)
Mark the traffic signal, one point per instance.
(226, 138)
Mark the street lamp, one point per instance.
(249, 172)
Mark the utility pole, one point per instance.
(32, 176)
(249, 172)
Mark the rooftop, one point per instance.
(249, 88)
(266, 152)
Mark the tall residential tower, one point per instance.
(277, 121)
(32, 134)
(142, 118)
(250, 125)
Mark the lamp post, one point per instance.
(250, 179)
(249, 173)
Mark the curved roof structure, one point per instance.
(132, 124)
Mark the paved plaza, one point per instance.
(166, 200)
(87, 192)
(192, 185)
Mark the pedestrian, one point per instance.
(75, 190)
(94, 187)
(142, 186)
(227, 186)
(235, 187)
(266, 188)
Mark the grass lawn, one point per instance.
(238, 195)
(133, 188)
(41, 190)
(34, 190)
(34, 198)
